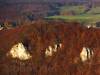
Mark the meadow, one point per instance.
(90, 17)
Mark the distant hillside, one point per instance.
(14, 9)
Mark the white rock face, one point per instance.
(1, 28)
(19, 51)
(50, 50)
(86, 54)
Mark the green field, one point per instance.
(75, 9)
(79, 18)
(91, 16)
(80, 9)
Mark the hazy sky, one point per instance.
(21, 1)
(37, 0)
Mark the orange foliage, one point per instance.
(39, 36)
